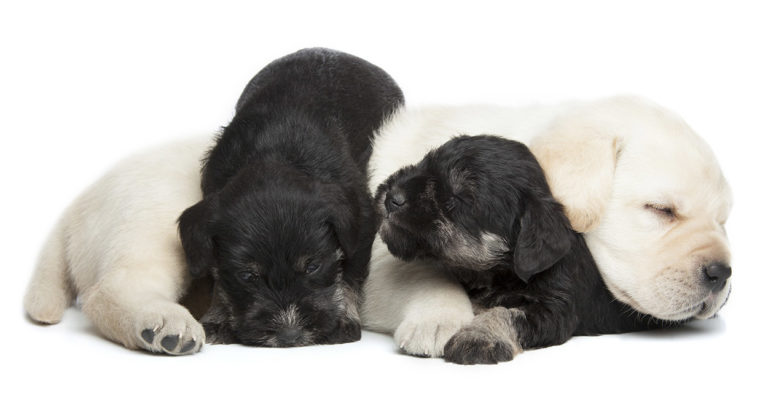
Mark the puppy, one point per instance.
(116, 249)
(286, 223)
(645, 190)
(480, 206)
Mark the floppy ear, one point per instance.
(579, 158)
(352, 221)
(196, 238)
(344, 227)
(544, 238)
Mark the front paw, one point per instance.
(472, 345)
(348, 330)
(426, 338)
(169, 329)
(218, 333)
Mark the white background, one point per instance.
(84, 84)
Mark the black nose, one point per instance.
(394, 201)
(716, 274)
(288, 336)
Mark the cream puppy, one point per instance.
(643, 187)
(117, 249)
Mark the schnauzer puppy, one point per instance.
(286, 223)
(481, 207)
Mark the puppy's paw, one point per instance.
(425, 338)
(472, 345)
(168, 329)
(348, 330)
(218, 333)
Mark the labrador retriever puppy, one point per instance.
(116, 250)
(481, 209)
(645, 190)
(284, 230)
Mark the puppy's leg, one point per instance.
(349, 287)
(217, 320)
(50, 290)
(499, 334)
(135, 304)
(491, 338)
(347, 300)
(421, 305)
(431, 318)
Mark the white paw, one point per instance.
(426, 337)
(169, 329)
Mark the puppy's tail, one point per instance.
(50, 292)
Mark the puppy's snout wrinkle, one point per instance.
(394, 201)
(716, 274)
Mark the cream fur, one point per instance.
(605, 160)
(116, 248)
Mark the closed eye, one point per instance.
(247, 276)
(663, 211)
(450, 205)
(454, 202)
(312, 266)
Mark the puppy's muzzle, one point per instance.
(715, 275)
(289, 336)
(394, 201)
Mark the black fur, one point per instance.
(286, 223)
(485, 184)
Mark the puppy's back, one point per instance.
(330, 86)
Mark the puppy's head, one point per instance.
(473, 203)
(276, 248)
(651, 198)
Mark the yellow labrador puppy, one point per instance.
(117, 249)
(644, 188)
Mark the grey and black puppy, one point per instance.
(482, 208)
(286, 223)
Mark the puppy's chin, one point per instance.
(328, 330)
(328, 317)
(271, 340)
(273, 332)
(714, 302)
(674, 307)
(399, 241)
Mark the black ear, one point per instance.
(544, 238)
(194, 231)
(345, 229)
(339, 208)
(353, 222)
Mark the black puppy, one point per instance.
(286, 223)
(481, 206)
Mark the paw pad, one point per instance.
(148, 335)
(169, 342)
